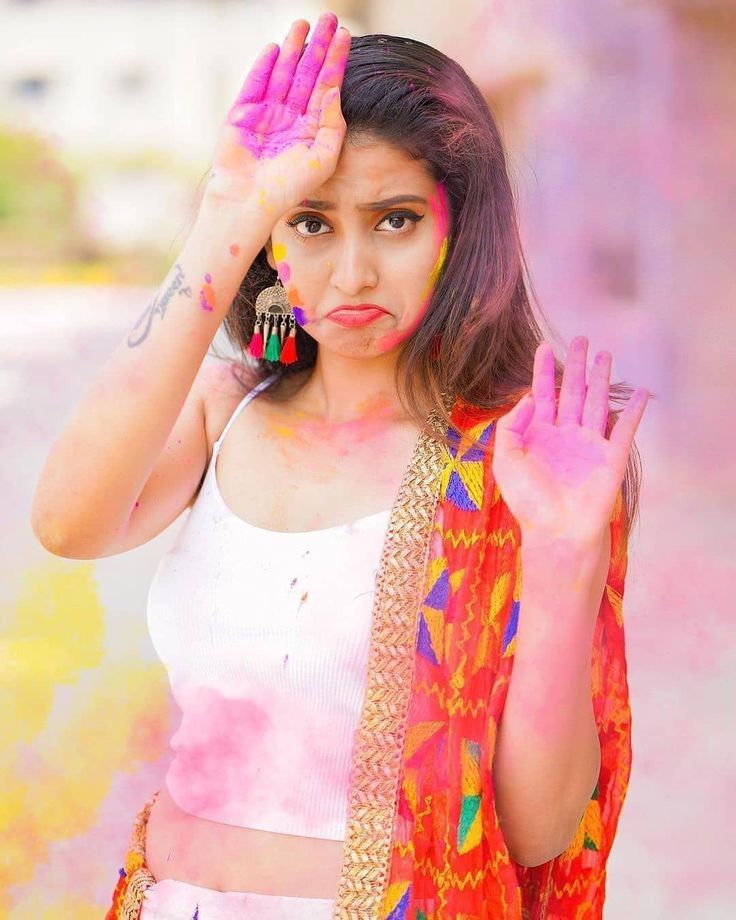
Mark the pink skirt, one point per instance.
(171, 899)
(138, 896)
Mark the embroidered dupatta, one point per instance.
(423, 837)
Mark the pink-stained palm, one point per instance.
(556, 469)
(283, 133)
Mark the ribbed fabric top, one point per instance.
(265, 637)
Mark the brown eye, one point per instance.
(307, 219)
(403, 216)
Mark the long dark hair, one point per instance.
(479, 335)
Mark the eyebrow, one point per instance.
(370, 206)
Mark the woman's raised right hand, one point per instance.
(283, 134)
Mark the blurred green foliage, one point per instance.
(37, 201)
(42, 239)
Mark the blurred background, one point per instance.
(619, 119)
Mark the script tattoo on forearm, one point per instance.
(158, 305)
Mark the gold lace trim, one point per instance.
(139, 875)
(379, 744)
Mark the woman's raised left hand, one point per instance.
(557, 471)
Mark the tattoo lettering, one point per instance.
(158, 305)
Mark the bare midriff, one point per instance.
(227, 858)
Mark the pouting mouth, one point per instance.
(357, 306)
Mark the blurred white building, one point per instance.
(113, 82)
(118, 76)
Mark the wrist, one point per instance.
(560, 544)
(560, 563)
(246, 217)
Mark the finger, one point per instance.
(283, 71)
(572, 391)
(595, 412)
(331, 131)
(311, 62)
(332, 72)
(256, 82)
(543, 383)
(622, 433)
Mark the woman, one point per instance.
(342, 610)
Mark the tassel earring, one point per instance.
(274, 333)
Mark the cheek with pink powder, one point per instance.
(440, 210)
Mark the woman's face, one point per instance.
(340, 247)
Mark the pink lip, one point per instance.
(358, 315)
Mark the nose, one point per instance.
(353, 270)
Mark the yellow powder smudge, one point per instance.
(69, 721)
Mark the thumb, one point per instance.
(510, 427)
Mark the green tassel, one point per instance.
(273, 348)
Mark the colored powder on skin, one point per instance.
(295, 301)
(207, 295)
(282, 267)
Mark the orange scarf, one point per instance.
(424, 841)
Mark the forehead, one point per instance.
(370, 171)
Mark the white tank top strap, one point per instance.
(251, 394)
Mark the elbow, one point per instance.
(537, 855)
(527, 861)
(546, 841)
(55, 539)
(48, 535)
(530, 856)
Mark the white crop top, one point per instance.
(265, 636)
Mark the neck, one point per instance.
(343, 390)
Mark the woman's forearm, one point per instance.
(105, 452)
(547, 754)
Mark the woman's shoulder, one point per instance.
(225, 382)
(221, 389)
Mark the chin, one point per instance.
(359, 347)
